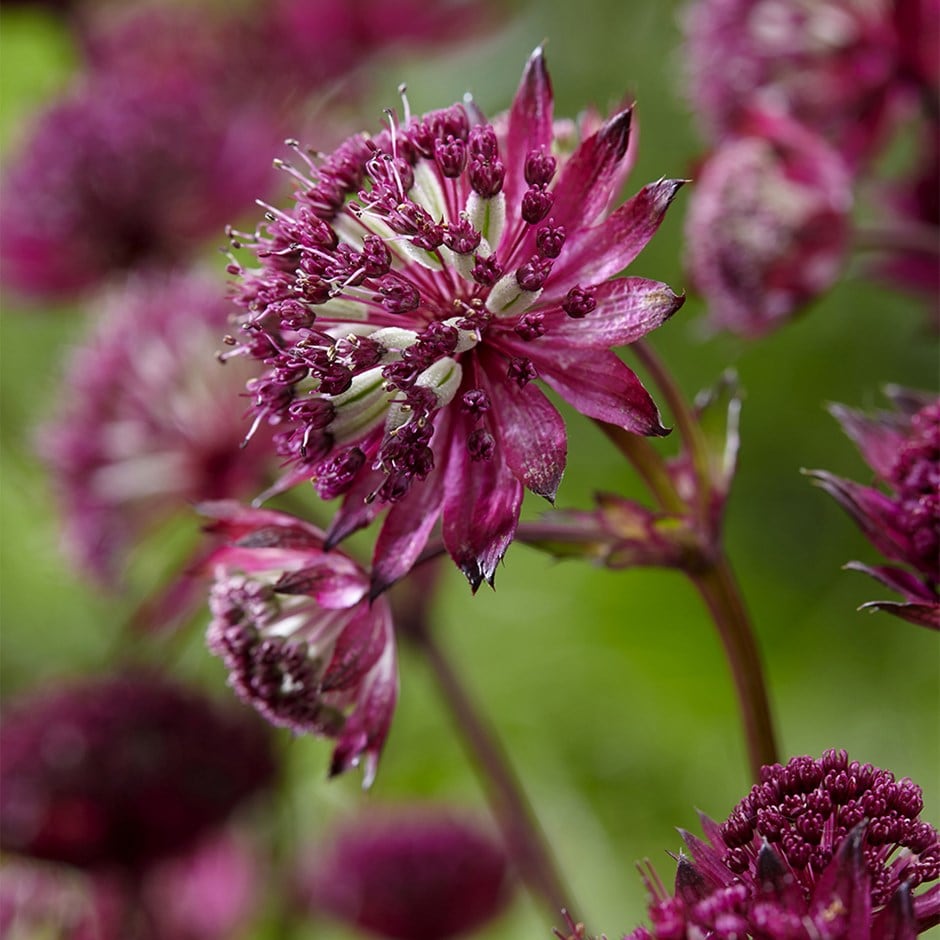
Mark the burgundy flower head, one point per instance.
(901, 518)
(129, 170)
(294, 626)
(768, 225)
(830, 64)
(148, 423)
(819, 850)
(422, 281)
(409, 875)
(123, 771)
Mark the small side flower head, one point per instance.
(768, 225)
(298, 634)
(117, 175)
(832, 65)
(123, 771)
(901, 516)
(825, 849)
(148, 423)
(409, 874)
(425, 282)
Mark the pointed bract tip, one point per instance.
(472, 572)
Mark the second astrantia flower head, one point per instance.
(422, 280)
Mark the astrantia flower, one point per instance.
(768, 226)
(421, 282)
(148, 423)
(122, 771)
(830, 64)
(127, 171)
(409, 875)
(902, 517)
(207, 894)
(819, 850)
(295, 628)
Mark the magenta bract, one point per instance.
(902, 517)
(294, 626)
(423, 279)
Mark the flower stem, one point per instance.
(521, 831)
(685, 420)
(648, 463)
(719, 589)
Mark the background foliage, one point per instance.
(609, 689)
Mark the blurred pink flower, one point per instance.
(902, 447)
(319, 41)
(121, 771)
(127, 171)
(210, 893)
(768, 224)
(294, 625)
(149, 422)
(830, 64)
(819, 850)
(409, 874)
(402, 327)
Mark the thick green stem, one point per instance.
(719, 589)
(521, 830)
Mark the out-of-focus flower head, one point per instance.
(409, 874)
(830, 64)
(420, 283)
(768, 225)
(206, 894)
(131, 169)
(122, 771)
(901, 516)
(319, 40)
(302, 642)
(819, 850)
(45, 900)
(148, 421)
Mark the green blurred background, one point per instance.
(609, 689)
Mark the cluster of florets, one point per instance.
(298, 634)
(449, 261)
(819, 848)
